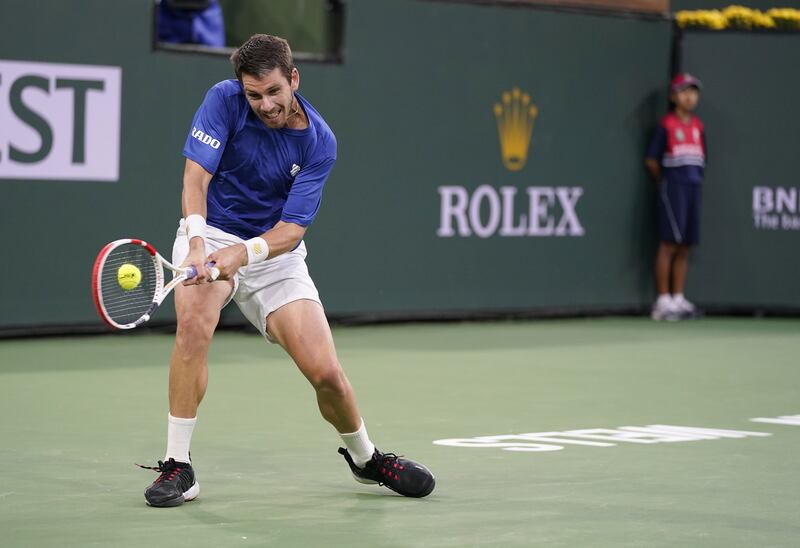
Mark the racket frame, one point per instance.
(161, 290)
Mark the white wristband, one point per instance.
(257, 250)
(195, 226)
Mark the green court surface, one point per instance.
(78, 412)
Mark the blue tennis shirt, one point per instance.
(260, 175)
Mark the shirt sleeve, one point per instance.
(210, 131)
(658, 144)
(305, 195)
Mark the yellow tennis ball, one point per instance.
(129, 276)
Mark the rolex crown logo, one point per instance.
(515, 118)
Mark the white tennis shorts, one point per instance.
(262, 288)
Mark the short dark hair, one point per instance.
(261, 54)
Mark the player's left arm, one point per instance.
(283, 237)
(280, 239)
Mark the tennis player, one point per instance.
(257, 158)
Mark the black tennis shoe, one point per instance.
(175, 485)
(401, 475)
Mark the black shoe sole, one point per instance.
(420, 495)
(167, 503)
(193, 491)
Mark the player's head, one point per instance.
(685, 91)
(264, 66)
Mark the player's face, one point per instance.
(686, 99)
(270, 96)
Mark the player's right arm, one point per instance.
(205, 144)
(193, 201)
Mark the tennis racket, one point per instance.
(128, 282)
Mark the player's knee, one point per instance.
(194, 332)
(330, 379)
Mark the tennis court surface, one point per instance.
(592, 470)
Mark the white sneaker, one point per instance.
(665, 309)
(685, 307)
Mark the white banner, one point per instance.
(59, 122)
(776, 208)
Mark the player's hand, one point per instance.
(197, 258)
(228, 260)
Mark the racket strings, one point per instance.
(125, 306)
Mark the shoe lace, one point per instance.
(389, 467)
(168, 469)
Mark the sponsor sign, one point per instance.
(776, 208)
(509, 211)
(59, 122)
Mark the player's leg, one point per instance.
(279, 298)
(198, 309)
(301, 328)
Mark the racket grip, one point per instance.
(191, 272)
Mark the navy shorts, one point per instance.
(678, 212)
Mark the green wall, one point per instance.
(750, 107)
(412, 107)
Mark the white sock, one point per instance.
(359, 446)
(179, 436)
(677, 297)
